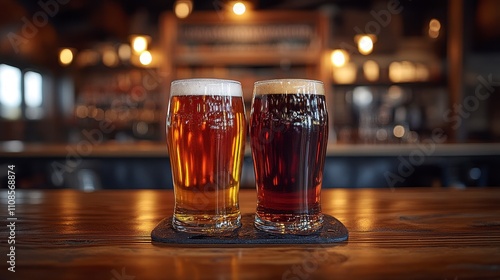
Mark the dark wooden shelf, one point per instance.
(243, 58)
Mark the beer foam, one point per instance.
(206, 87)
(289, 86)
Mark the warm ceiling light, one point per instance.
(183, 8)
(109, 57)
(65, 56)
(405, 71)
(139, 44)
(399, 131)
(339, 58)
(145, 58)
(124, 52)
(345, 74)
(434, 27)
(395, 72)
(434, 24)
(371, 70)
(408, 71)
(365, 45)
(239, 8)
(433, 34)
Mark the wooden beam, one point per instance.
(455, 49)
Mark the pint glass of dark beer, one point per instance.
(206, 138)
(288, 136)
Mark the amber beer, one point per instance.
(289, 135)
(206, 138)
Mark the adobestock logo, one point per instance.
(31, 27)
(121, 275)
(471, 103)
(454, 117)
(381, 19)
(312, 261)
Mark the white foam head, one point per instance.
(206, 87)
(289, 86)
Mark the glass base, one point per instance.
(295, 224)
(206, 224)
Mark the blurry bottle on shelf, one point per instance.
(120, 104)
(388, 114)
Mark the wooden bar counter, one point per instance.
(422, 233)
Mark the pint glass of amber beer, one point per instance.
(206, 138)
(289, 135)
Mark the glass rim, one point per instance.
(289, 86)
(287, 79)
(199, 80)
(206, 86)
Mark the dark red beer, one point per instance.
(289, 135)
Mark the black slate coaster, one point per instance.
(333, 231)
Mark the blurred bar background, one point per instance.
(412, 86)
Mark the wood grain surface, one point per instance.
(393, 234)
